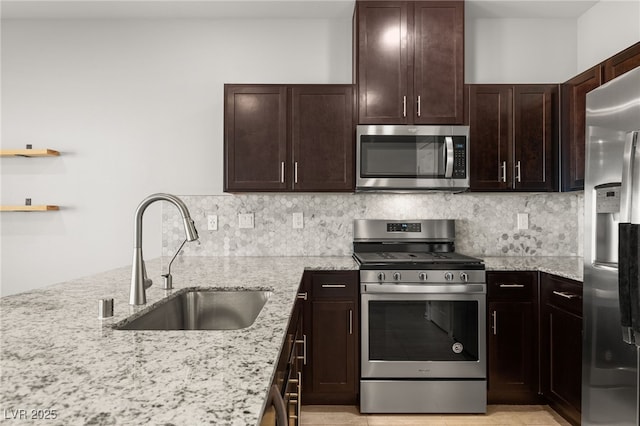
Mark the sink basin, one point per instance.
(202, 310)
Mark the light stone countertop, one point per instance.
(55, 354)
(568, 267)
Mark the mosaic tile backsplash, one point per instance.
(486, 224)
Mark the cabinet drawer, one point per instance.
(563, 293)
(511, 285)
(334, 285)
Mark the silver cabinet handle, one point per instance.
(282, 172)
(518, 168)
(350, 321)
(494, 314)
(297, 401)
(565, 294)
(511, 285)
(419, 106)
(504, 171)
(304, 349)
(302, 296)
(404, 106)
(448, 168)
(295, 172)
(334, 285)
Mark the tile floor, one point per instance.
(332, 415)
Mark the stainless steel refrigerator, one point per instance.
(611, 254)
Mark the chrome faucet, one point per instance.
(139, 280)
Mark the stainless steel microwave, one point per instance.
(412, 158)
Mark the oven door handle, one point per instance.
(423, 289)
(448, 169)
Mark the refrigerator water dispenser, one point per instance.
(606, 226)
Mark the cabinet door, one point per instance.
(561, 344)
(512, 363)
(438, 67)
(255, 140)
(490, 112)
(624, 61)
(381, 62)
(322, 137)
(333, 347)
(563, 379)
(574, 104)
(535, 136)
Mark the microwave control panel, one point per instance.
(459, 158)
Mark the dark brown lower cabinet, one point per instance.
(561, 344)
(512, 338)
(331, 325)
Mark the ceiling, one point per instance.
(269, 9)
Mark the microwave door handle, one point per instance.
(628, 238)
(448, 168)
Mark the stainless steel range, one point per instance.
(423, 320)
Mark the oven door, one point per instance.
(423, 331)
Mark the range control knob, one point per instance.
(464, 277)
(397, 276)
(448, 276)
(381, 276)
(422, 276)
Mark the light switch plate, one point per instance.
(298, 220)
(212, 222)
(523, 220)
(245, 220)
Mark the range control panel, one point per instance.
(404, 227)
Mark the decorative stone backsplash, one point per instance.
(486, 224)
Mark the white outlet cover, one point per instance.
(245, 220)
(298, 220)
(523, 220)
(212, 222)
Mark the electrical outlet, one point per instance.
(212, 222)
(523, 220)
(245, 220)
(298, 220)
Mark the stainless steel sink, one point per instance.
(197, 309)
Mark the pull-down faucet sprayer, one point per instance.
(139, 280)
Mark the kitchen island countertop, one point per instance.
(57, 355)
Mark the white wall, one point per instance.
(135, 107)
(605, 29)
(519, 50)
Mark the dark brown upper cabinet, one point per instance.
(289, 138)
(574, 102)
(409, 62)
(514, 134)
(622, 62)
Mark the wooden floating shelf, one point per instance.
(44, 208)
(28, 153)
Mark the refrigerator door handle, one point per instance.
(628, 242)
(629, 171)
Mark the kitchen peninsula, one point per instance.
(57, 355)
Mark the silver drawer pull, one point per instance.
(334, 285)
(565, 294)
(302, 296)
(511, 285)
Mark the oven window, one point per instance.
(402, 156)
(423, 330)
